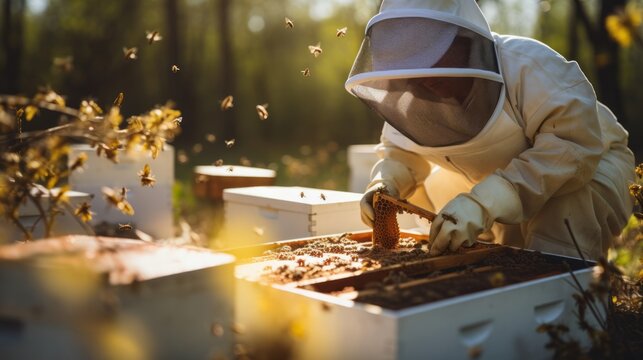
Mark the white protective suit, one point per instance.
(545, 151)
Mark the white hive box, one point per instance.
(64, 224)
(361, 159)
(81, 297)
(210, 181)
(309, 322)
(152, 205)
(270, 213)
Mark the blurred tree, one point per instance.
(227, 74)
(605, 50)
(13, 13)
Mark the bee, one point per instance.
(210, 138)
(497, 279)
(66, 64)
(306, 72)
(153, 36)
(238, 328)
(182, 157)
(175, 69)
(178, 120)
(322, 196)
(302, 195)
(201, 179)
(219, 162)
(197, 148)
(449, 217)
(79, 162)
(229, 143)
(130, 53)
(119, 99)
(230, 169)
(259, 231)
(288, 23)
(262, 112)
(341, 32)
(124, 227)
(216, 330)
(316, 50)
(244, 161)
(118, 200)
(83, 212)
(227, 103)
(147, 179)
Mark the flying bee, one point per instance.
(288, 23)
(322, 196)
(229, 143)
(201, 179)
(66, 63)
(130, 53)
(210, 138)
(245, 161)
(153, 36)
(316, 50)
(175, 69)
(226, 103)
(306, 72)
(259, 231)
(147, 179)
(197, 148)
(262, 112)
(341, 32)
(219, 162)
(119, 99)
(124, 227)
(83, 212)
(182, 157)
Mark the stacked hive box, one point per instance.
(79, 297)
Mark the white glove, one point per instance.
(366, 204)
(469, 214)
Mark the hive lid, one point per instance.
(239, 171)
(290, 198)
(122, 260)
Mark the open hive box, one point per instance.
(338, 297)
(80, 297)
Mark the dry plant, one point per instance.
(32, 164)
(610, 310)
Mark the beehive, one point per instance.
(152, 205)
(311, 318)
(210, 181)
(270, 213)
(79, 297)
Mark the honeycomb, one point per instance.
(386, 232)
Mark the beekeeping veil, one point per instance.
(429, 68)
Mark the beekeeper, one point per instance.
(500, 132)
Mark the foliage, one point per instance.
(33, 163)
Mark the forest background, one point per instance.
(245, 49)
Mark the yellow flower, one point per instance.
(622, 25)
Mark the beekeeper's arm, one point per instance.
(564, 129)
(400, 171)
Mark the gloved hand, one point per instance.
(366, 204)
(468, 215)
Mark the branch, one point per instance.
(24, 101)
